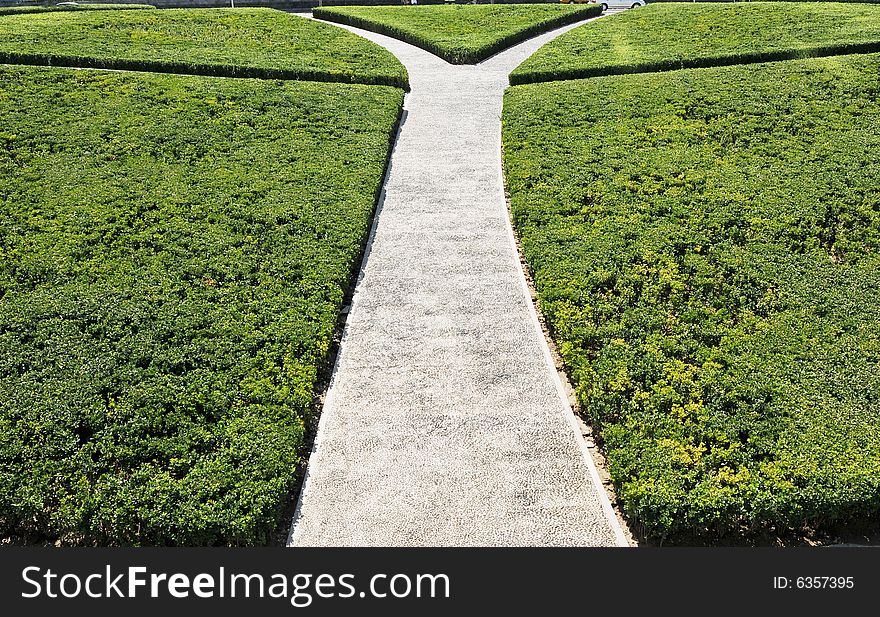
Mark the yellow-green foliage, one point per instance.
(679, 35)
(460, 34)
(18, 10)
(225, 42)
(706, 248)
(174, 252)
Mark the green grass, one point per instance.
(226, 42)
(706, 249)
(678, 35)
(19, 10)
(460, 34)
(174, 252)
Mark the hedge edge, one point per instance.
(464, 57)
(326, 366)
(532, 77)
(206, 70)
(32, 9)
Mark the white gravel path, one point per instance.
(446, 423)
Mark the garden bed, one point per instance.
(460, 34)
(661, 37)
(174, 253)
(706, 250)
(223, 42)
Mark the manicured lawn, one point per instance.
(460, 34)
(706, 249)
(227, 42)
(16, 10)
(675, 35)
(174, 252)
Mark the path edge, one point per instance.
(563, 387)
(623, 538)
(331, 389)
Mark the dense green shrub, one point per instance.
(706, 249)
(19, 10)
(680, 35)
(460, 34)
(174, 252)
(225, 42)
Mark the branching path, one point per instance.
(446, 422)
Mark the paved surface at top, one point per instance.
(445, 423)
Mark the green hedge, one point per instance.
(222, 42)
(460, 34)
(706, 249)
(19, 10)
(174, 253)
(688, 35)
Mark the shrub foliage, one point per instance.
(463, 34)
(662, 37)
(20, 9)
(174, 252)
(224, 42)
(706, 248)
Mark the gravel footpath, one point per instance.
(446, 423)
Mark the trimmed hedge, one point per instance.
(259, 43)
(460, 34)
(19, 10)
(673, 36)
(174, 253)
(706, 249)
